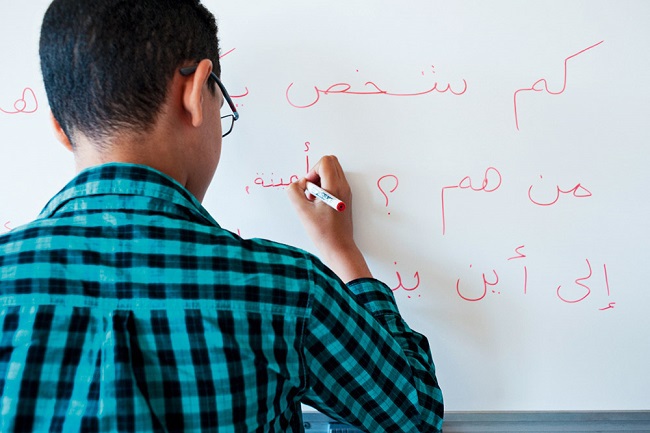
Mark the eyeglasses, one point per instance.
(227, 121)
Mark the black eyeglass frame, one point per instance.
(189, 70)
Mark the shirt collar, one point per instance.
(126, 179)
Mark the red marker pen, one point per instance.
(325, 196)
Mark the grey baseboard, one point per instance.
(521, 422)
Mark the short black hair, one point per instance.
(107, 64)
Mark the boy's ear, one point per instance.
(59, 133)
(193, 91)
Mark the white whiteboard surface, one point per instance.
(527, 120)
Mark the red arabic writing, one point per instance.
(482, 294)
(245, 88)
(569, 294)
(578, 282)
(491, 182)
(401, 285)
(226, 53)
(544, 83)
(370, 88)
(26, 104)
(272, 181)
(391, 178)
(275, 184)
(577, 191)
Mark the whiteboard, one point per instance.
(498, 155)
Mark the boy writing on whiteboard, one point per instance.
(125, 306)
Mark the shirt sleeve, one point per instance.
(365, 366)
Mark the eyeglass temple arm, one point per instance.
(191, 69)
(226, 96)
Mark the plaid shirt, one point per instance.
(125, 307)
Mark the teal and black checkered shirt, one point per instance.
(126, 308)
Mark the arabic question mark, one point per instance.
(387, 176)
